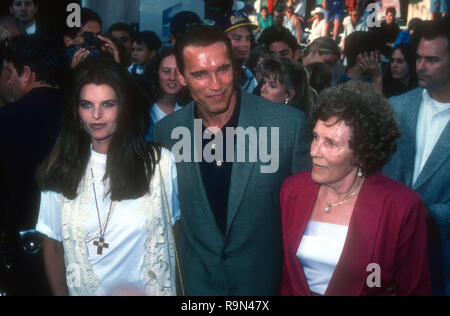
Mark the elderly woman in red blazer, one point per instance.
(347, 229)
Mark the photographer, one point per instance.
(86, 40)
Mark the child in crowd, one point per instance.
(144, 48)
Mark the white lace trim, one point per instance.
(159, 269)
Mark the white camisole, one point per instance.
(319, 252)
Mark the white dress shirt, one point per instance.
(157, 114)
(317, 30)
(137, 69)
(432, 120)
(31, 30)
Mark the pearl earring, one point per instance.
(360, 174)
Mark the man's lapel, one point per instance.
(409, 135)
(350, 274)
(439, 155)
(241, 171)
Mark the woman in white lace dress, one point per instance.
(109, 198)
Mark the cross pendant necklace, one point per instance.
(100, 243)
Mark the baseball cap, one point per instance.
(233, 20)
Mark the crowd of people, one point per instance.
(134, 166)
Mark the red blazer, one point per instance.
(387, 228)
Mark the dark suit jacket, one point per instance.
(433, 183)
(387, 228)
(247, 260)
(28, 130)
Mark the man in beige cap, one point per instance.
(238, 27)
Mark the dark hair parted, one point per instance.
(319, 76)
(391, 10)
(121, 27)
(293, 76)
(41, 54)
(391, 85)
(272, 35)
(149, 39)
(431, 30)
(156, 92)
(200, 36)
(370, 117)
(131, 160)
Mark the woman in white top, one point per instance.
(109, 198)
(166, 87)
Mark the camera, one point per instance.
(91, 42)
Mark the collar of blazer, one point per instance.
(409, 112)
(439, 155)
(249, 117)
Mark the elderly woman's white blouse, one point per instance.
(140, 254)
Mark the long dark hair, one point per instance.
(293, 76)
(156, 91)
(131, 160)
(391, 86)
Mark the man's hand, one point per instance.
(109, 46)
(370, 64)
(78, 57)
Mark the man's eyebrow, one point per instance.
(428, 56)
(198, 73)
(225, 66)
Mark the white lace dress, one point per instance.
(140, 255)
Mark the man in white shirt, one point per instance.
(318, 26)
(422, 160)
(25, 11)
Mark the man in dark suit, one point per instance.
(236, 150)
(422, 161)
(28, 129)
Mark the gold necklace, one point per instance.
(329, 205)
(100, 243)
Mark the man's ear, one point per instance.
(27, 76)
(181, 78)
